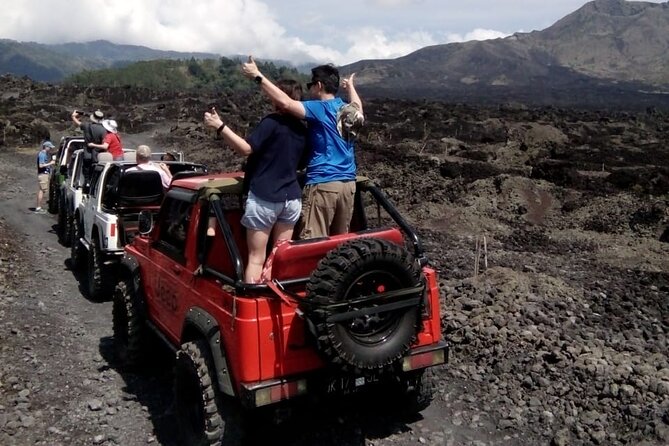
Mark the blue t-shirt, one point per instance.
(42, 158)
(277, 144)
(332, 157)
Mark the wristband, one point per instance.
(220, 129)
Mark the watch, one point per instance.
(258, 79)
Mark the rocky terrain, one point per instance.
(548, 226)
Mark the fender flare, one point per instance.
(207, 325)
(130, 265)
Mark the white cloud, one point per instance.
(477, 34)
(372, 43)
(299, 31)
(226, 27)
(395, 2)
(221, 27)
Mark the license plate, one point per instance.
(347, 384)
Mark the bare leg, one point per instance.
(40, 197)
(257, 244)
(282, 231)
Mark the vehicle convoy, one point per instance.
(106, 217)
(331, 315)
(68, 145)
(70, 196)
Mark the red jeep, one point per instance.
(332, 314)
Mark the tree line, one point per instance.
(192, 74)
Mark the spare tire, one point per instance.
(341, 300)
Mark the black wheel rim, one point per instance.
(375, 328)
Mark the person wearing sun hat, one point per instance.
(93, 133)
(111, 142)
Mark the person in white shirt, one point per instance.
(144, 163)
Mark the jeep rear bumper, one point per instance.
(263, 393)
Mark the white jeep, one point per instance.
(107, 217)
(70, 196)
(68, 145)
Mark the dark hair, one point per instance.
(291, 87)
(328, 75)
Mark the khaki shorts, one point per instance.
(43, 180)
(327, 208)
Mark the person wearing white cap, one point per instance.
(44, 163)
(93, 132)
(111, 142)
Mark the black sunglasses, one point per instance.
(311, 84)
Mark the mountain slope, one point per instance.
(54, 62)
(605, 44)
(612, 39)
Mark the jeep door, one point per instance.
(90, 205)
(173, 274)
(74, 182)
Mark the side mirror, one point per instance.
(145, 222)
(86, 189)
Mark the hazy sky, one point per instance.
(298, 30)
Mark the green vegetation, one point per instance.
(208, 74)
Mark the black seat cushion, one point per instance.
(140, 188)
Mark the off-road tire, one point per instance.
(416, 391)
(358, 268)
(197, 400)
(53, 196)
(63, 223)
(69, 222)
(77, 250)
(98, 273)
(128, 322)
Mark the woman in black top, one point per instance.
(273, 206)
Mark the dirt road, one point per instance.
(58, 386)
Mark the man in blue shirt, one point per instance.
(44, 163)
(330, 187)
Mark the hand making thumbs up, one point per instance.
(250, 69)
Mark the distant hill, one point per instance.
(607, 47)
(52, 63)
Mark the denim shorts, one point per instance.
(261, 214)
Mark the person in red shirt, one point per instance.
(111, 142)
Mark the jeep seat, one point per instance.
(297, 259)
(130, 156)
(105, 157)
(140, 188)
